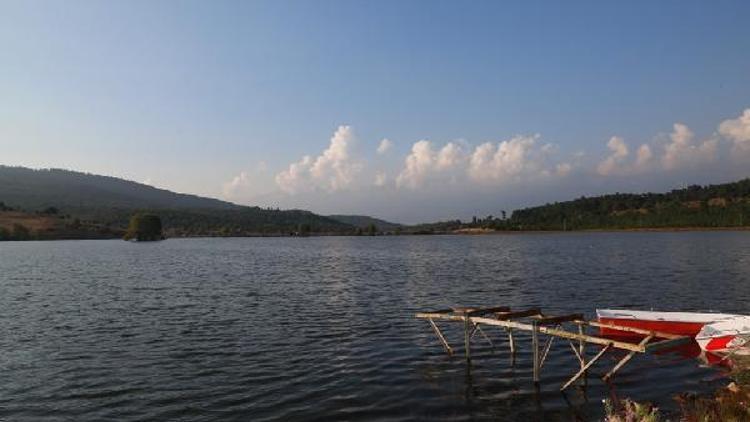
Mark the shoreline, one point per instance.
(628, 230)
(454, 233)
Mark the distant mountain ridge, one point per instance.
(364, 221)
(719, 205)
(36, 189)
(106, 203)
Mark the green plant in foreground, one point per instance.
(631, 411)
(730, 404)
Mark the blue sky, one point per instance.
(515, 103)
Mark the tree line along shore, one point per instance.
(722, 206)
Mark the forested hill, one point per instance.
(38, 189)
(60, 203)
(723, 205)
(365, 222)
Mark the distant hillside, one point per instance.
(104, 204)
(724, 205)
(19, 225)
(715, 206)
(363, 221)
(38, 189)
(243, 221)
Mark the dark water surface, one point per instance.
(323, 328)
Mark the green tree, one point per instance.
(304, 229)
(372, 229)
(144, 227)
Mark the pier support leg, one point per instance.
(441, 337)
(582, 354)
(512, 344)
(479, 329)
(586, 367)
(625, 360)
(547, 347)
(467, 337)
(578, 355)
(535, 350)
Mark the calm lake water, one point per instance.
(323, 328)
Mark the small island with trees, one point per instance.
(144, 228)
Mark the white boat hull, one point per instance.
(727, 336)
(681, 323)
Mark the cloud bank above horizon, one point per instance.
(359, 176)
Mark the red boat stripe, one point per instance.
(719, 343)
(671, 327)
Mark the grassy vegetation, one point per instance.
(631, 411)
(727, 404)
(20, 225)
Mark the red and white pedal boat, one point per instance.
(681, 323)
(726, 336)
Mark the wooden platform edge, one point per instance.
(536, 323)
(541, 329)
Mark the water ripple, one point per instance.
(323, 328)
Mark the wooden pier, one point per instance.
(540, 325)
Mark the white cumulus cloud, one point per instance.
(418, 164)
(619, 152)
(335, 169)
(449, 157)
(238, 183)
(682, 152)
(385, 146)
(643, 156)
(487, 164)
(424, 162)
(248, 183)
(381, 179)
(738, 130)
(679, 152)
(511, 165)
(505, 161)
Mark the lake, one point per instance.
(323, 328)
